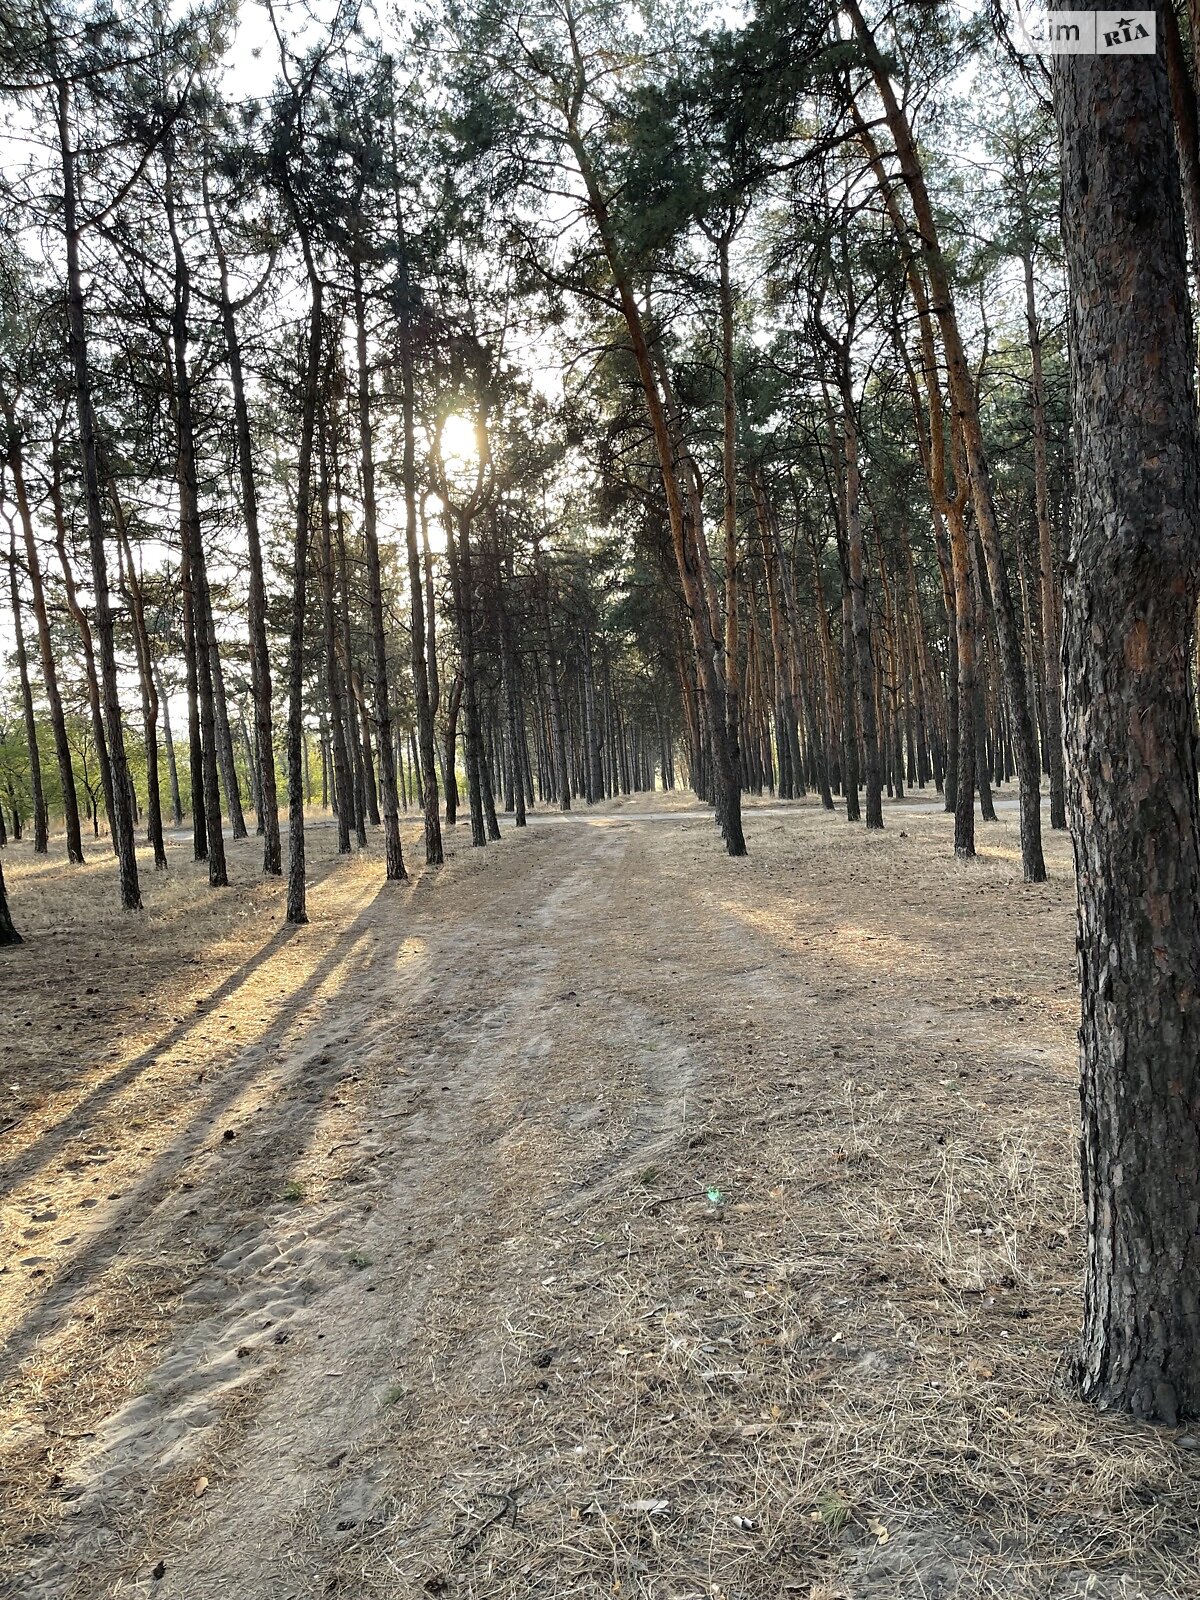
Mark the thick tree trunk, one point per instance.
(1130, 608)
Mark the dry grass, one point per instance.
(842, 1376)
(849, 1378)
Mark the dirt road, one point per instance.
(598, 1216)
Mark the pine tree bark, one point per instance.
(1131, 591)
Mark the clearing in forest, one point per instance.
(597, 1216)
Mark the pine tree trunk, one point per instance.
(450, 740)
(1051, 658)
(367, 750)
(58, 723)
(251, 766)
(849, 731)
(394, 853)
(422, 652)
(191, 668)
(41, 828)
(354, 756)
(342, 782)
(131, 895)
(859, 618)
(79, 616)
(1129, 610)
(297, 908)
(692, 564)
(8, 933)
(192, 538)
(966, 408)
(558, 737)
(267, 799)
(729, 511)
(225, 755)
(149, 693)
(169, 740)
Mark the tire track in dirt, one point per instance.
(279, 1384)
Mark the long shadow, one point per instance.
(50, 1313)
(79, 1118)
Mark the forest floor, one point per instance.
(376, 1258)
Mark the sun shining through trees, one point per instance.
(486, 499)
(460, 447)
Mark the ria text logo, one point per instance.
(1041, 32)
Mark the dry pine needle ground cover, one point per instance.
(602, 1217)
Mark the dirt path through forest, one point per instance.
(378, 1258)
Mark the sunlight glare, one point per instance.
(459, 451)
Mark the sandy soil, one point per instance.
(598, 1216)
